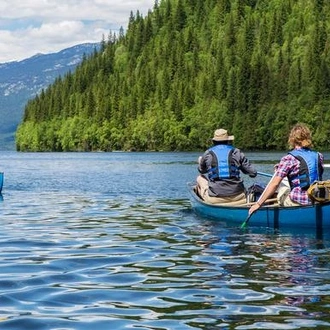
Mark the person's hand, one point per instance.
(254, 208)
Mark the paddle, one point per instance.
(265, 174)
(269, 175)
(249, 216)
(285, 181)
(246, 221)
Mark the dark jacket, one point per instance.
(222, 187)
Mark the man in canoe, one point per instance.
(301, 166)
(219, 181)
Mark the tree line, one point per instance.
(254, 67)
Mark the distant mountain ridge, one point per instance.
(22, 80)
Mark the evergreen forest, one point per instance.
(188, 67)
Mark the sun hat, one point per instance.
(222, 135)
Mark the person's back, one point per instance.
(301, 166)
(219, 180)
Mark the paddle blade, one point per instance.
(246, 221)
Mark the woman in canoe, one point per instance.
(302, 166)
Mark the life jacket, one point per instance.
(221, 167)
(309, 169)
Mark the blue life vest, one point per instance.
(221, 167)
(309, 170)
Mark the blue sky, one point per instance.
(30, 27)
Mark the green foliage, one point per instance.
(254, 67)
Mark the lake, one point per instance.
(109, 241)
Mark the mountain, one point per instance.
(23, 80)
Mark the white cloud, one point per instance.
(44, 26)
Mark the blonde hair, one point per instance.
(300, 136)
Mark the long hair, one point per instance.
(300, 136)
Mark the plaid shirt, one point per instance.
(289, 166)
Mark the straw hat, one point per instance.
(222, 135)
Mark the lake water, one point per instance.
(109, 241)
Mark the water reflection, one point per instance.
(291, 268)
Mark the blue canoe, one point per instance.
(314, 216)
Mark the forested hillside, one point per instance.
(254, 67)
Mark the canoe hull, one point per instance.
(313, 216)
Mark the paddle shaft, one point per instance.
(246, 221)
(264, 174)
(249, 216)
(285, 181)
(270, 176)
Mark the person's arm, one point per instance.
(203, 161)
(268, 192)
(245, 165)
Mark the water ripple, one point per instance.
(90, 257)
